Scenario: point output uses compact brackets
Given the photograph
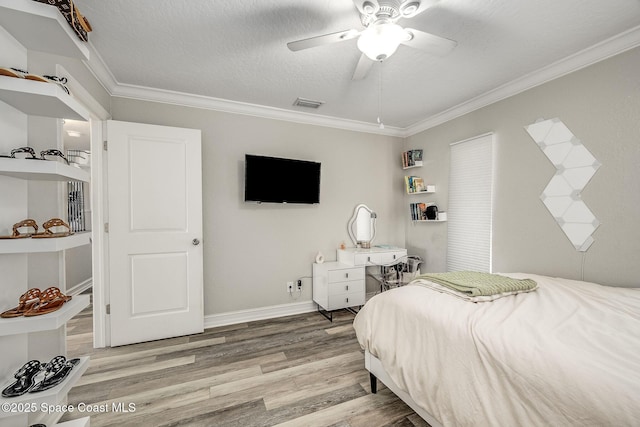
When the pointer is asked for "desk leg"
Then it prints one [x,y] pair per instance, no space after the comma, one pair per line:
[327,314]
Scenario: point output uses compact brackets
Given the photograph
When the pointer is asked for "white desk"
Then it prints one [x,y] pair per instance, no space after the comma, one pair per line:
[373,256]
[341,284]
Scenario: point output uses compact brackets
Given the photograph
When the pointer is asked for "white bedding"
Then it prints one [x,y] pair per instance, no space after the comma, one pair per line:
[566,354]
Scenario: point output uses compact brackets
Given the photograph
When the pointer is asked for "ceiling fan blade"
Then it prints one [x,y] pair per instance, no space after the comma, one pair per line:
[430,43]
[363,67]
[322,40]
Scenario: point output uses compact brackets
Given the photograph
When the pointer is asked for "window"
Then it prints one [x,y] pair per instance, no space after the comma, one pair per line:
[470,204]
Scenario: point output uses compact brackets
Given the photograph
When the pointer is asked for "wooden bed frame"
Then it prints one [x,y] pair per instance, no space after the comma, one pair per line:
[377,372]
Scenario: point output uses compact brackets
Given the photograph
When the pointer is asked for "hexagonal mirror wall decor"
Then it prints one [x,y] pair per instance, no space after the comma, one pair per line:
[575,166]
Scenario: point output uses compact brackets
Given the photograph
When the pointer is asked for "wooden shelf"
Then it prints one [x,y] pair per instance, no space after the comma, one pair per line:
[42,170]
[46,322]
[429,220]
[41,27]
[52,396]
[411,167]
[40,99]
[54,244]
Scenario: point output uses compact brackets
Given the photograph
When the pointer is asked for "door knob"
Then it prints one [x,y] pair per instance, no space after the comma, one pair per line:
[195,242]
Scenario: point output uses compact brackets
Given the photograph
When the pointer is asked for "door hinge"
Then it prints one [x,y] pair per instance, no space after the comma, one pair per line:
[106,227]
[104,145]
[108,307]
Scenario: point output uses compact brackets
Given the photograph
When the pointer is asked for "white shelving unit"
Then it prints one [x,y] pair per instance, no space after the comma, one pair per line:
[80,422]
[430,190]
[40,99]
[53,244]
[417,193]
[42,170]
[45,322]
[53,35]
[37,27]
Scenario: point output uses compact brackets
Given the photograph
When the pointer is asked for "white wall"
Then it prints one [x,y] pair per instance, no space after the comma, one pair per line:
[251,250]
[601,106]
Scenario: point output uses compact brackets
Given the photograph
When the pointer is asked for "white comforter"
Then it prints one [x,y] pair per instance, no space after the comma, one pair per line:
[566,354]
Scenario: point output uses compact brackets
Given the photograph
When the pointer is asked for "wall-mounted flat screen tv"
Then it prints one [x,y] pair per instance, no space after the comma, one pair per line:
[279,180]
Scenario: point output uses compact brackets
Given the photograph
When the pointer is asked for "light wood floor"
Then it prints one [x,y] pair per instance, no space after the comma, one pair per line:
[293,371]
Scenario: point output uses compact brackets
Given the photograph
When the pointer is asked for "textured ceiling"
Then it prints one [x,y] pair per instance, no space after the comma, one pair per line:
[237,50]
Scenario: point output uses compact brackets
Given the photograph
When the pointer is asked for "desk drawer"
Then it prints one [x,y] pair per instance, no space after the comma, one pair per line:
[345,275]
[368,258]
[345,300]
[391,257]
[356,286]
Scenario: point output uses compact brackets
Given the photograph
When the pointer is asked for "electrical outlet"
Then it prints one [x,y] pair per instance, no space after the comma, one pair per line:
[290,287]
[299,284]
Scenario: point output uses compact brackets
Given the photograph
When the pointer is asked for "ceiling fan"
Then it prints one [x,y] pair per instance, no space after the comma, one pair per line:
[382,35]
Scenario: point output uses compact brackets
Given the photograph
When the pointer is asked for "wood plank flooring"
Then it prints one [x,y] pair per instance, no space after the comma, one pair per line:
[292,371]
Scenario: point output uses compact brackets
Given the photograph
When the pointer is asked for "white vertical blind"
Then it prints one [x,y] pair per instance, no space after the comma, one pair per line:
[470,204]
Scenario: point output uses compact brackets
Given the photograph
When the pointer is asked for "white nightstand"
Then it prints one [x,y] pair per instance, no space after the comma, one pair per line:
[337,286]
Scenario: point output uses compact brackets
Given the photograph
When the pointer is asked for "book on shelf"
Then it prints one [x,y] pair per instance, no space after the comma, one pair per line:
[412,158]
[414,184]
[419,211]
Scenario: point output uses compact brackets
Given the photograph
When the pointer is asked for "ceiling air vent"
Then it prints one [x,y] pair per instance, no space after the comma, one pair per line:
[307,103]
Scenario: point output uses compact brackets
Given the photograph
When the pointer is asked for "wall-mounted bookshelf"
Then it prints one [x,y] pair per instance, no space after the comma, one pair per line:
[412,159]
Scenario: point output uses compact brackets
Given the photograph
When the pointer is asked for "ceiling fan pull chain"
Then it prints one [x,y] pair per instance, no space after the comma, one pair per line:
[380,96]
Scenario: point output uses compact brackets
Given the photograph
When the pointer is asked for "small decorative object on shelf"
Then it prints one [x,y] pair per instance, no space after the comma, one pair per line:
[412,158]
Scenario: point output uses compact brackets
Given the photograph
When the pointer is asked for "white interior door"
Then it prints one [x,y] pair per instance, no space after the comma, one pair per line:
[155,228]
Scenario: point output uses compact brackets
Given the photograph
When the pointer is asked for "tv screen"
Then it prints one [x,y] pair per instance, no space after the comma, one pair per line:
[278,180]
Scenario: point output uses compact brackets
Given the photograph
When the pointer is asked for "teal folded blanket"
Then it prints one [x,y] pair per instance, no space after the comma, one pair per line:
[474,283]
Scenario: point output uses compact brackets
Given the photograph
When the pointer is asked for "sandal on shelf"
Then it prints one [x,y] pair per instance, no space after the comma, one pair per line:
[22,224]
[24,379]
[50,300]
[54,222]
[60,81]
[55,372]
[26,150]
[53,152]
[26,301]
[13,72]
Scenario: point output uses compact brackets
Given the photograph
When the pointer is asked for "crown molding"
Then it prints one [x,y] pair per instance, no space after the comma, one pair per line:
[598,52]
[102,73]
[227,106]
[589,56]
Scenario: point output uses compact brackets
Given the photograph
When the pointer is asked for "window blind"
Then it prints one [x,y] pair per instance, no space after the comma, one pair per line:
[470,204]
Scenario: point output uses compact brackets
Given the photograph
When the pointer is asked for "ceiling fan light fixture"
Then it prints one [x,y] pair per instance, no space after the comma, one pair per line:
[381,39]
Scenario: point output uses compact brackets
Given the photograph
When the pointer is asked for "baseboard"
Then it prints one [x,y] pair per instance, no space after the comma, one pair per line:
[270,312]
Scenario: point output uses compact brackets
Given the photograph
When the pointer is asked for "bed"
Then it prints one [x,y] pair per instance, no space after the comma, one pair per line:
[567,353]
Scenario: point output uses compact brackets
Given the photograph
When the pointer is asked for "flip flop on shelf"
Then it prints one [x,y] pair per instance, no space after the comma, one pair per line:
[50,300]
[31,154]
[53,152]
[54,222]
[60,81]
[25,379]
[55,372]
[26,301]
[13,72]
[26,223]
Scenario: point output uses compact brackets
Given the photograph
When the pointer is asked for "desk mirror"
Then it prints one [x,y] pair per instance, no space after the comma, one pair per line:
[362,226]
